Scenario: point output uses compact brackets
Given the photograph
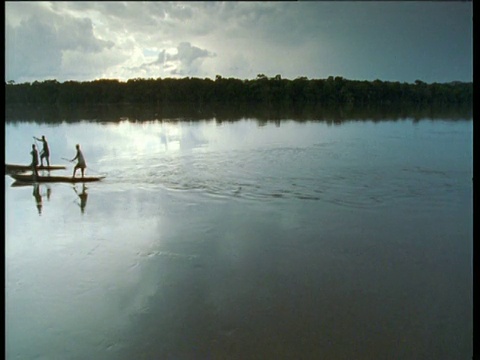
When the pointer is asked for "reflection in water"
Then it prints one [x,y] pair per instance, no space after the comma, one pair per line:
[227,113]
[38,197]
[83,197]
[245,242]
[37,194]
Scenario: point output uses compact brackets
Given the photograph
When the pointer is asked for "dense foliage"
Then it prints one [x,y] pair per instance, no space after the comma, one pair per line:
[231,91]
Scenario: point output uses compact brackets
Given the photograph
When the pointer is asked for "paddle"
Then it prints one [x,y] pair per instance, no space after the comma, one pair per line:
[90,169]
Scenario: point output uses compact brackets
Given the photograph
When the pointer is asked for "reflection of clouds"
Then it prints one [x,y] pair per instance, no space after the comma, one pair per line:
[128,140]
[137,140]
[82,277]
[103,283]
[175,263]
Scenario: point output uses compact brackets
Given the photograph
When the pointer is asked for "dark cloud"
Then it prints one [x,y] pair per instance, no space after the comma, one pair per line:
[187,61]
[35,48]
[32,50]
[79,35]
[189,58]
[431,41]
[187,54]
[159,63]
[160,59]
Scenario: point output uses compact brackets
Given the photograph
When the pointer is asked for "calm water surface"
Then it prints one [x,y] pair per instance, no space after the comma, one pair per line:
[240,241]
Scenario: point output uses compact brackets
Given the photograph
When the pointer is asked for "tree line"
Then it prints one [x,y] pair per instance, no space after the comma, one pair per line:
[232,91]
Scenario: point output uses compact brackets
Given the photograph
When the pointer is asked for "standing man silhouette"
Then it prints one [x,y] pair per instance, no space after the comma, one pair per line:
[34,163]
[45,153]
[81,164]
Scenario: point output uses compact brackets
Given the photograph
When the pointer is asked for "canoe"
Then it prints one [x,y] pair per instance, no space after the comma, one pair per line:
[18,168]
[29,178]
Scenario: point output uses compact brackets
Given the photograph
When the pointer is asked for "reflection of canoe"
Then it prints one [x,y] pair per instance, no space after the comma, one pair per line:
[28,178]
[18,168]
[18,183]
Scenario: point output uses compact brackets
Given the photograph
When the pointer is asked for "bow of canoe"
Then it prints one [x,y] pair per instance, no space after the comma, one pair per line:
[10,168]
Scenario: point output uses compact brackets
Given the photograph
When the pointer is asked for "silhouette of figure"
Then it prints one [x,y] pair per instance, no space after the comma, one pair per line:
[38,197]
[83,197]
[45,153]
[34,163]
[81,164]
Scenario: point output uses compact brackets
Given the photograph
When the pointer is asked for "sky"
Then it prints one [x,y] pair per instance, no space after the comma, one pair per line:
[400,41]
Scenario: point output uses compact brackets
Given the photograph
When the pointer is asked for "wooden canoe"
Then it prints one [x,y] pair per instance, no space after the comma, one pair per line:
[29,178]
[11,168]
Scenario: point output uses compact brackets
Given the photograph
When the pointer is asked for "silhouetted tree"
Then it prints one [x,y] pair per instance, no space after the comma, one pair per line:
[261,90]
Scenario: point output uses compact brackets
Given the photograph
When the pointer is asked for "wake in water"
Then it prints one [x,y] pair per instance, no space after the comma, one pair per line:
[307,174]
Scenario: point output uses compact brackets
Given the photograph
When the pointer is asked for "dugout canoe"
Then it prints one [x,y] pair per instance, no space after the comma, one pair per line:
[12,168]
[29,178]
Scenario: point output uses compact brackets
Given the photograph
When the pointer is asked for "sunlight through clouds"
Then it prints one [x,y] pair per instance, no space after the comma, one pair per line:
[62,40]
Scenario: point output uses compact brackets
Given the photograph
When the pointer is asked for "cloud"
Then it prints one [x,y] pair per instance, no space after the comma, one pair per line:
[160,59]
[79,35]
[153,68]
[183,60]
[26,55]
[189,58]
[363,40]
[36,46]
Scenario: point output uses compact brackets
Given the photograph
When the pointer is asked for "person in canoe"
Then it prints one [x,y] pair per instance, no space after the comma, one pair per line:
[45,153]
[81,164]
[34,163]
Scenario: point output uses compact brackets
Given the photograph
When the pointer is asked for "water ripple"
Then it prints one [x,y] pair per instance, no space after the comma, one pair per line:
[305,174]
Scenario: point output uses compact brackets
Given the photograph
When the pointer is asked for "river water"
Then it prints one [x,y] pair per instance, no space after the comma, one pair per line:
[243,240]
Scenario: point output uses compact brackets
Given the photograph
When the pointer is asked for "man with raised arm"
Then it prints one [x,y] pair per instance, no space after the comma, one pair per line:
[45,153]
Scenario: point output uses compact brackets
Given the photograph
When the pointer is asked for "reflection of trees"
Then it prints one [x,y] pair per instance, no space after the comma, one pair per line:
[225,98]
[227,113]
[264,91]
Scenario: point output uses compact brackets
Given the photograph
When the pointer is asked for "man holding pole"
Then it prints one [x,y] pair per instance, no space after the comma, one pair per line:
[81,164]
[45,153]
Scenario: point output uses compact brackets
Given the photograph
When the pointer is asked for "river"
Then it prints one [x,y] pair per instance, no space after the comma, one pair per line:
[243,240]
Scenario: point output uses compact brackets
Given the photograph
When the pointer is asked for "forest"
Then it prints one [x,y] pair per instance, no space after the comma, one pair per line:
[262,90]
